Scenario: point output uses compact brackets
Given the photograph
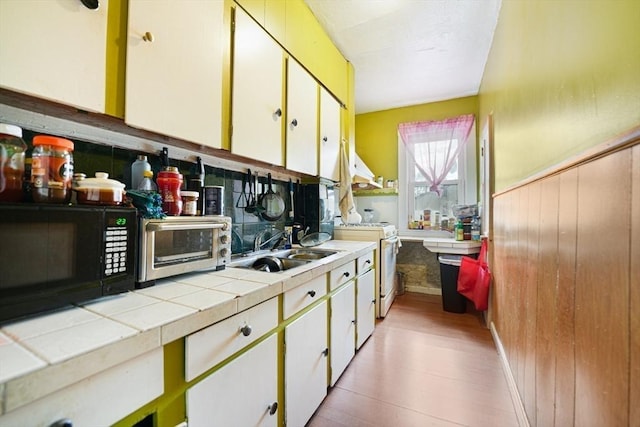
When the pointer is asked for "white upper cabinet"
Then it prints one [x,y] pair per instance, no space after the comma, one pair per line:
[302,120]
[257,88]
[55,50]
[329,136]
[174,69]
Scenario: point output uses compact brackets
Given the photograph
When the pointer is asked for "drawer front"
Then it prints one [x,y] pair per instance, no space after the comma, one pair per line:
[298,298]
[342,275]
[365,262]
[210,346]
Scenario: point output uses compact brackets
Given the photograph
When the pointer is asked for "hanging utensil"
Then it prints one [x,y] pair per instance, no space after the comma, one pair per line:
[243,198]
[251,205]
[272,203]
[291,212]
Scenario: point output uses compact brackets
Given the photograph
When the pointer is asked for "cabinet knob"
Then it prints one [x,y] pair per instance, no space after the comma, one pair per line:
[325,352]
[277,113]
[346,274]
[368,261]
[246,330]
[148,37]
[91,4]
[312,293]
[64,422]
[354,321]
[373,301]
[294,122]
[325,139]
[273,408]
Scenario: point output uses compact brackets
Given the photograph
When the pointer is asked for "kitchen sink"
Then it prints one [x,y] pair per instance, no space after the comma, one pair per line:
[275,261]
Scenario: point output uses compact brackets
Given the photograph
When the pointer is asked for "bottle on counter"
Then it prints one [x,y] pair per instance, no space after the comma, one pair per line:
[51,169]
[458,230]
[475,229]
[137,170]
[12,149]
[169,183]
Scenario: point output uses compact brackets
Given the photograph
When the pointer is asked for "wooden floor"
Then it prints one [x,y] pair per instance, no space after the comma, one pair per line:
[422,367]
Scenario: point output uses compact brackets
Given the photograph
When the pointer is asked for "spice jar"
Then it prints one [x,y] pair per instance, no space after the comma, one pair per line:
[12,149]
[51,169]
[169,182]
[189,202]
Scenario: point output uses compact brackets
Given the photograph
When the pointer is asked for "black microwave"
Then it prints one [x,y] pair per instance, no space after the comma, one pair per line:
[54,255]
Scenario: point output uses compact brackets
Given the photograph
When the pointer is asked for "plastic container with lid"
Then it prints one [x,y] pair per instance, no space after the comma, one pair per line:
[12,149]
[169,183]
[99,190]
[189,202]
[51,169]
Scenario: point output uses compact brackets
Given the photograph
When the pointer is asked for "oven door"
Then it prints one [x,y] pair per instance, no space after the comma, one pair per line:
[179,245]
[388,253]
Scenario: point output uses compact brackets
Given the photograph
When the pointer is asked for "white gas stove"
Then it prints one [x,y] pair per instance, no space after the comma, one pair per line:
[386,236]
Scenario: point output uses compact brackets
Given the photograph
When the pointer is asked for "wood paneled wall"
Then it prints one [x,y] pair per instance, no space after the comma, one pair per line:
[565,300]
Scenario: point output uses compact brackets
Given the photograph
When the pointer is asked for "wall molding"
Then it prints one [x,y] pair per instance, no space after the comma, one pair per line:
[518,406]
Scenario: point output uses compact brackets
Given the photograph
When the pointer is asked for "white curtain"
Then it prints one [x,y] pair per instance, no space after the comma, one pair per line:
[435,145]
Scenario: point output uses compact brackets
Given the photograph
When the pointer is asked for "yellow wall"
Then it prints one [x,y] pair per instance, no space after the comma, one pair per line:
[562,77]
[376,134]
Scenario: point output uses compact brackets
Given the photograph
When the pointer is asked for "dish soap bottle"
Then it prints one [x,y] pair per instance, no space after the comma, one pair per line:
[147,185]
[137,171]
[459,231]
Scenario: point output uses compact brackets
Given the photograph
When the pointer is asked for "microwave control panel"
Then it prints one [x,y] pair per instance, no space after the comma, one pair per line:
[119,243]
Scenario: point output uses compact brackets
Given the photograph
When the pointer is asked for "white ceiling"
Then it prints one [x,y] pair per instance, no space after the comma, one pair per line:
[409,52]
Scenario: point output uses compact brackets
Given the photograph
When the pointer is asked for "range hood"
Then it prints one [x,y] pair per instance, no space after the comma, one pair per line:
[361,175]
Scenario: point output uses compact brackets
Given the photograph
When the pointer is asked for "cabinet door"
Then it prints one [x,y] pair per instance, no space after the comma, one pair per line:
[366,307]
[329,136]
[242,393]
[257,93]
[302,120]
[55,50]
[174,69]
[343,331]
[305,365]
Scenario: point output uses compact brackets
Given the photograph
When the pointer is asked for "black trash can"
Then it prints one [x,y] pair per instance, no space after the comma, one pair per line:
[452,301]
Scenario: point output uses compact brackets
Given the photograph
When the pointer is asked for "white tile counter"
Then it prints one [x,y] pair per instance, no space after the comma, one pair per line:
[45,353]
[451,246]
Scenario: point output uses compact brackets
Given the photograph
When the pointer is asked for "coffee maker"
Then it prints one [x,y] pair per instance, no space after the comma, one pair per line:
[315,208]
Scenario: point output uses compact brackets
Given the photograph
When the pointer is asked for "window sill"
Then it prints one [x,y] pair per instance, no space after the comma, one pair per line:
[360,192]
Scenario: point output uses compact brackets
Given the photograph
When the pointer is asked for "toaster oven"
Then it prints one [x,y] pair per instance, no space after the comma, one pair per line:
[182,244]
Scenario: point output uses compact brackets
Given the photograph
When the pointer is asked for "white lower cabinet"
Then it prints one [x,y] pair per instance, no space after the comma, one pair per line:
[365,307]
[305,365]
[243,393]
[99,400]
[343,330]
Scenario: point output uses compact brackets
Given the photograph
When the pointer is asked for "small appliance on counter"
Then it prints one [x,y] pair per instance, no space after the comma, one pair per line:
[54,255]
[182,244]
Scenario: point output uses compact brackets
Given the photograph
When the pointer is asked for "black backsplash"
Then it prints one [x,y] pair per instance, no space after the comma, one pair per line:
[90,158]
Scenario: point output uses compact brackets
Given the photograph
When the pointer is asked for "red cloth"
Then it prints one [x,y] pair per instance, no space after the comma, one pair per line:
[474,278]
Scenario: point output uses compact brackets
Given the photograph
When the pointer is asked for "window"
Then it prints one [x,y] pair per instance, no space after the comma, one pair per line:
[437,167]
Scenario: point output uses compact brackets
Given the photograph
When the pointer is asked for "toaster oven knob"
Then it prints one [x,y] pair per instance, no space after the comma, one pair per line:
[224,239]
[224,252]
[225,226]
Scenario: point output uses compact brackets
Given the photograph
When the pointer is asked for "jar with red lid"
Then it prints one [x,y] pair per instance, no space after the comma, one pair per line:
[12,149]
[51,169]
[169,182]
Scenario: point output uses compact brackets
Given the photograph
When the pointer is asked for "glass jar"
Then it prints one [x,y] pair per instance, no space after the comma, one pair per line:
[51,169]
[189,202]
[169,183]
[12,149]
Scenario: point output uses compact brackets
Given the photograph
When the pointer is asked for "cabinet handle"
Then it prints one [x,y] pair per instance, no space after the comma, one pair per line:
[373,301]
[273,408]
[368,261]
[312,293]
[93,5]
[346,274]
[148,37]
[64,422]
[277,113]
[294,122]
[325,139]
[325,352]
[246,330]
[354,321]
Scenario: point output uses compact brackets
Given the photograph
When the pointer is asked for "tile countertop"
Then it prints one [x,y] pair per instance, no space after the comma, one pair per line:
[44,353]
[451,246]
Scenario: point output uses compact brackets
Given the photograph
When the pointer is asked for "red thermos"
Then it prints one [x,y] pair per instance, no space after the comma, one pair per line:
[169,183]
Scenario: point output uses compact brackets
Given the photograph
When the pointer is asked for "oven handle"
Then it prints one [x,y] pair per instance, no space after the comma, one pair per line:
[391,241]
[163,226]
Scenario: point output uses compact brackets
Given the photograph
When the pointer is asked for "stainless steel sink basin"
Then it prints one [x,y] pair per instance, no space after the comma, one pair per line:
[269,263]
[309,254]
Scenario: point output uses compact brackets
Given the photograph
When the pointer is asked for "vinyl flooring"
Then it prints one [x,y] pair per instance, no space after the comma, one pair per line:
[422,367]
